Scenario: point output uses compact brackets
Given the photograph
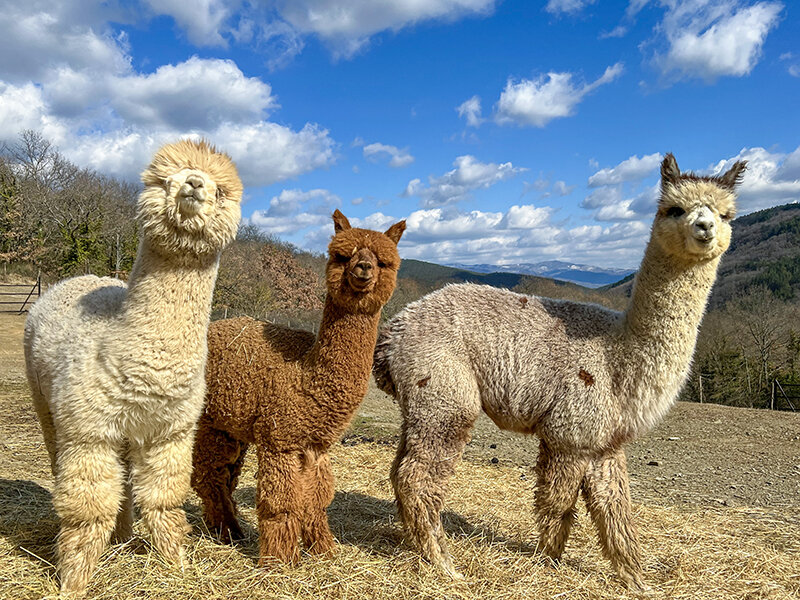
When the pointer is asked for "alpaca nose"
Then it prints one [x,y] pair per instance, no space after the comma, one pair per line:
[704,228]
[195,181]
[363,269]
[705,225]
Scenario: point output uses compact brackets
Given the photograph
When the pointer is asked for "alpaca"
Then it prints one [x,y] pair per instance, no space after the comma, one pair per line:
[116,371]
[583,378]
[292,395]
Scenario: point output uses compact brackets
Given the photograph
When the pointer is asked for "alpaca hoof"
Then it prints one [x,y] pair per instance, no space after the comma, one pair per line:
[636,585]
[270,562]
[321,548]
[451,572]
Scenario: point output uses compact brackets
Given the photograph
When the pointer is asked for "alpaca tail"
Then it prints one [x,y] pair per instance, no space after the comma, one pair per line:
[381,366]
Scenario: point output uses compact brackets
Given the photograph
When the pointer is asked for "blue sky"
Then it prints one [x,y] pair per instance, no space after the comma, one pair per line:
[504,131]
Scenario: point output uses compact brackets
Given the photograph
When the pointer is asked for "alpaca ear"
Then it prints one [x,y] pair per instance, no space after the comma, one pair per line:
[670,173]
[340,222]
[395,231]
[733,176]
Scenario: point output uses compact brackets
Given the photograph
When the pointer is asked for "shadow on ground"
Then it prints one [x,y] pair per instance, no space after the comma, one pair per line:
[372,524]
[28,521]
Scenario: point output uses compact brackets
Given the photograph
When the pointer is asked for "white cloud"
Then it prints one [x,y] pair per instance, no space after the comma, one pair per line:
[77,87]
[527,216]
[471,110]
[619,211]
[455,185]
[475,237]
[266,152]
[603,196]
[558,7]
[771,178]
[40,36]
[523,233]
[346,26]
[538,101]
[289,202]
[201,19]
[399,158]
[711,39]
[793,65]
[24,108]
[630,169]
[294,210]
[218,91]
[560,188]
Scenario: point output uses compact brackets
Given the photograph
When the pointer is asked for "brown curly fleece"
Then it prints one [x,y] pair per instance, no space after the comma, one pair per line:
[292,395]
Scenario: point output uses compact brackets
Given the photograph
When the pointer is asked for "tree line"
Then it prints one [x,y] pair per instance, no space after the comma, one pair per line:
[62,220]
[59,218]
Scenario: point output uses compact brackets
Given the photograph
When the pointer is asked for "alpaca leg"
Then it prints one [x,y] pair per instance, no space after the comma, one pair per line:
[161,473]
[87,495]
[279,505]
[316,532]
[607,495]
[46,421]
[123,531]
[218,460]
[559,477]
[438,417]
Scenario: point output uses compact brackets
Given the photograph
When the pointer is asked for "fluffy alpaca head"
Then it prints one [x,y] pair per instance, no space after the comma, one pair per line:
[190,204]
[694,213]
[362,265]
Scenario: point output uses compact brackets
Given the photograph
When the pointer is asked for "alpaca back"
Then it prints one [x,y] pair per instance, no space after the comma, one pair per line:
[249,362]
[69,319]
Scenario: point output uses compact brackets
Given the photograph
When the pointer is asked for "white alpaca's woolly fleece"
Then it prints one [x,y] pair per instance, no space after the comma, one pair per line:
[117,372]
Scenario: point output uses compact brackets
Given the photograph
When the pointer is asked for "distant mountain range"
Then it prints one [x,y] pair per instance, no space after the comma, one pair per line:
[585,275]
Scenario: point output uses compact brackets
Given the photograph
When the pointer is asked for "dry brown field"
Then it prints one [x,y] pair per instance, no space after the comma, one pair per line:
[716,493]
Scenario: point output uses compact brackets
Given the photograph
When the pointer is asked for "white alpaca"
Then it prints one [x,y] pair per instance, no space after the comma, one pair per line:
[583,378]
[117,372]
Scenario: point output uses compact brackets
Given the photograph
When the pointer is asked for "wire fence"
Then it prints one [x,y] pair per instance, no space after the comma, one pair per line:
[19,297]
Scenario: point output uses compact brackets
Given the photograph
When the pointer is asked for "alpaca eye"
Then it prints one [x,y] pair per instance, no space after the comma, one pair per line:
[675,211]
[727,216]
[382,265]
[341,258]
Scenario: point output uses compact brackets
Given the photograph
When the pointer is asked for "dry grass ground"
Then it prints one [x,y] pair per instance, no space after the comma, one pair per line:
[699,543]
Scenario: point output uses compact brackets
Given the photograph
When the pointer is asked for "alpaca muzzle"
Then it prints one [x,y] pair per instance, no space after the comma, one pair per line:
[361,283]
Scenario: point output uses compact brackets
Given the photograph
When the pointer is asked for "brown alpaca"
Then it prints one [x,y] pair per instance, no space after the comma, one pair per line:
[583,378]
[292,395]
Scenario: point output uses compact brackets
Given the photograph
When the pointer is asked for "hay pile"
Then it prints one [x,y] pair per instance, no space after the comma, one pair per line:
[708,554]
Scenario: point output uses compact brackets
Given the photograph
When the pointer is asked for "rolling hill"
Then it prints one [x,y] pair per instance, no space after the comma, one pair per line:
[585,275]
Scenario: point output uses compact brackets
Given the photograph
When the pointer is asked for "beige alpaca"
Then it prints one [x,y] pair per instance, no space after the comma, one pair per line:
[117,372]
[583,378]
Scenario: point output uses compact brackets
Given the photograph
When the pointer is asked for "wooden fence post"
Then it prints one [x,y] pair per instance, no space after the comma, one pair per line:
[700,379]
[772,401]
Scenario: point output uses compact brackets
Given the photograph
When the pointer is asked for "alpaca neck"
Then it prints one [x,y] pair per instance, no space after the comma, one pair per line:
[659,332]
[338,366]
[167,307]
